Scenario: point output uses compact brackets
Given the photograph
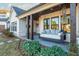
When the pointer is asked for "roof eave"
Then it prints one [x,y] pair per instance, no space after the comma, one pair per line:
[37,9]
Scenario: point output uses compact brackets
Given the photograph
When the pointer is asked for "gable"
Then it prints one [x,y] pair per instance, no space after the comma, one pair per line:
[18,10]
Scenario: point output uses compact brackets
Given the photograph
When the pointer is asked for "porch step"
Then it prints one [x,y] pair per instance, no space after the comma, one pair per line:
[51,44]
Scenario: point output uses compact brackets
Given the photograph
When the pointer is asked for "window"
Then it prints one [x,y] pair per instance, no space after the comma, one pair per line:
[46,23]
[55,23]
[14,26]
[66,24]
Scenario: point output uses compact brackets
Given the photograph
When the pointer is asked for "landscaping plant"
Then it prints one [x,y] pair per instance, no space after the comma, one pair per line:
[33,48]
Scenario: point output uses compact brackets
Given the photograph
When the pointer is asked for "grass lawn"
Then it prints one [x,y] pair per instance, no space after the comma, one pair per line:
[9,49]
[3,38]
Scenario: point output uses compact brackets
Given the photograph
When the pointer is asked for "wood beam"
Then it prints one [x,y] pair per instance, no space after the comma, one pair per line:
[31,20]
[28,27]
[73,47]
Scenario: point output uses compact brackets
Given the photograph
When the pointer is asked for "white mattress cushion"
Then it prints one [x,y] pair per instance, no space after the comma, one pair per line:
[51,36]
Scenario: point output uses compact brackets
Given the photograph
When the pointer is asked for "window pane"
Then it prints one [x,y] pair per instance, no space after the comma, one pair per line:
[46,23]
[55,23]
[14,26]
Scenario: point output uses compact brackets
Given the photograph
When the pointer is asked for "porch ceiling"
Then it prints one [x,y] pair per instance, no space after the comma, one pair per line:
[38,9]
[50,10]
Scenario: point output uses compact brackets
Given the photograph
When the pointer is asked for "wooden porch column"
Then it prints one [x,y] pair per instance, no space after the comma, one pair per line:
[28,20]
[31,20]
[73,47]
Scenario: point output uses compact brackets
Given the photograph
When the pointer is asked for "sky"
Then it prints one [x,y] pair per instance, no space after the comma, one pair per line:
[24,6]
[4,5]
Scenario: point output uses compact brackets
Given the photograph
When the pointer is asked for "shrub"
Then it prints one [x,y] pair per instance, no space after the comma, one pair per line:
[8,33]
[33,48]
[58,51]
[54,51]
[46,52]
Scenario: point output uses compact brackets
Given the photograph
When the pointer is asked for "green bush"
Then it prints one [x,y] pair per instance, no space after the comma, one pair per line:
[33,48]
[8,33]
[54,51]
[46,52]
[58,51]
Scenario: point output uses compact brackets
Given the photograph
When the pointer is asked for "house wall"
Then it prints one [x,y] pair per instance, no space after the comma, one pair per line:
[21,25]
[36,27]
[14,19]
[22,28]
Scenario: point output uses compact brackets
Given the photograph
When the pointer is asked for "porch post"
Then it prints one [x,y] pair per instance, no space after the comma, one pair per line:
[73,47]
[31,20]
[28,27]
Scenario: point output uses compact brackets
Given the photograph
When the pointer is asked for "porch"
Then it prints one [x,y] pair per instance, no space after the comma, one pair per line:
[46,41]
[49,43]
